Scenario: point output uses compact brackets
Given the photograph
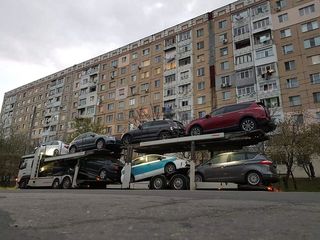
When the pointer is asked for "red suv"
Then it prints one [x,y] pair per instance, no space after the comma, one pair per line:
[246,116]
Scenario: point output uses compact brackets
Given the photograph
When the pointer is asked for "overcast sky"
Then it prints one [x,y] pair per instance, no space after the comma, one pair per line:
[40,37]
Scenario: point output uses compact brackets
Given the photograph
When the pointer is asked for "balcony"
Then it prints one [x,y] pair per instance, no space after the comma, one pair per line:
[242,51]
[242,37]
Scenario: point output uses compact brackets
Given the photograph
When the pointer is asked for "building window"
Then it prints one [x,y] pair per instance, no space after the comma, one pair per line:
[157,70]
[307,10]
[132,101]
[200,72]
[131,113]
[134,55]
[241,30]
[111,95]
[110,106]
[121,105]
[285,33]
[109,118]
[144,87]
[201,85]
[312,42]
[268,87]
[315,78]
[264,53]
[297,118]
[224,65]
[120,116]
[145,51]
[225,81]
[145,75]
[201,100]
[170,78]
[184,36]
[157,59]
[224,51]
[184,103]
[184,75]
[281,3]
[283,17]
[202,114]
[145,63]
[290,65]
[318,116]
[294,101]
[292,82]
[245,74]
[261,23]
[222,24]
[157,83]
[244,91]
[200,32]
[226,95]
[287,48]
[316,97]
[314,59]
[244,59]
[223,38]
[120,128]
[133,78]
[184,61]
[200,45]
[156,96]
[309,26]
[114,63]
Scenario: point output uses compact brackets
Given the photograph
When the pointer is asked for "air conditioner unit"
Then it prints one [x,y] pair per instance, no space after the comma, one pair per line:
[223,85]
[225,41]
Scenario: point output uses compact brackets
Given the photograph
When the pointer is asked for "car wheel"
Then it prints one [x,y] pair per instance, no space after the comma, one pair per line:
[253,178]
[158,182]
[66,183]
[196,130]
[103,174]
[198,178]
[72,149]
[164,135]
[56,152]
[170,168]
[248,124]
[126,139]
[179,182]
[100,144]
[55,184]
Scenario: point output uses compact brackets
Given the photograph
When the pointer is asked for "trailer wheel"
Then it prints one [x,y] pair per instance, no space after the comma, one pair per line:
[23,183]
[56,152]
[158,182]
[66,183]
[169,168]
[179,182]
[72,149]
[253,178]
[55,184]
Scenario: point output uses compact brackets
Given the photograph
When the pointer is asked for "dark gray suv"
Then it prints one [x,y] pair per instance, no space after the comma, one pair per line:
[238,167]
[153,130]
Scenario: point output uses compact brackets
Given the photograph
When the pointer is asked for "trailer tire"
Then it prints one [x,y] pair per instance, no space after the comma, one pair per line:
[56,152]
[66,183]
[170,168]
[55,184]
[72,149]
[158,182]
[23,183]
[179,182]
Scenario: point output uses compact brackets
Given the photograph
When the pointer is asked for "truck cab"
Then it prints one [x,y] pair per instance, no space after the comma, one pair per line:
[24,173]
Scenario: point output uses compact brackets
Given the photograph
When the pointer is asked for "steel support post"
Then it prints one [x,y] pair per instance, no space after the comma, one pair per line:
[192,166]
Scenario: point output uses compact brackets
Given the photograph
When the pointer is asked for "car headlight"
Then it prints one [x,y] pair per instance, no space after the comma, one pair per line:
[171,128]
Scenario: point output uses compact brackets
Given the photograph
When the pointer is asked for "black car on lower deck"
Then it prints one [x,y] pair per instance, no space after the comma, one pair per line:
[102,169]
[153,130]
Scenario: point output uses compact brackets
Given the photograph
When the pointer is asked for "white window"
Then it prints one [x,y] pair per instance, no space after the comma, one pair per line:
[264,53]
[134,55]
[290,65]
[241,30]
[285,33]
[244,58]
[307,10]
[315,78]
[145,51]
[287,49]
[244,91]
[200,45]
[225,81]
[309,26]
[224,65]
[294,101]
[132,101]
[314,59]
[201,85]
[292,83]
[312,42]
[222,24]
[224,51]
[261,23]
[200,71]
[283,17]
[200,32]
[201,100]
[226,95]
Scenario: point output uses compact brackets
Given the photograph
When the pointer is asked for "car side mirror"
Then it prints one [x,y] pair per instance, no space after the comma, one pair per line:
[207,116]
[140,127]
[92,135]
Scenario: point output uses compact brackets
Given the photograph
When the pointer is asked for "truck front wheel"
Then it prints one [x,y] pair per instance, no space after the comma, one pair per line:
[179,182]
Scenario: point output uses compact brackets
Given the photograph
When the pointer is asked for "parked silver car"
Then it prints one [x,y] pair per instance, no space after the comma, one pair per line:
[238,167]
[55,148]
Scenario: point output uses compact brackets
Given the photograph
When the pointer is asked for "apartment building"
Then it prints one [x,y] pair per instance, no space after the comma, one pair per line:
[249,50]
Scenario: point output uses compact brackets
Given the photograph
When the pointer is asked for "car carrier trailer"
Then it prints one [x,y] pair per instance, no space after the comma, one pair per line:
[211,142]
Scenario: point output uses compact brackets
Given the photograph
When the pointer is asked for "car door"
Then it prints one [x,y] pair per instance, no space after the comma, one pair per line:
[155,128]
[212,122]
[214,170]
[145,131]
[233,169]
[154,166]
[89,140]
[139,168]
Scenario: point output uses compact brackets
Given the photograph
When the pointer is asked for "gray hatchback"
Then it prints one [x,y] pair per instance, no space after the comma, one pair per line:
[238,167]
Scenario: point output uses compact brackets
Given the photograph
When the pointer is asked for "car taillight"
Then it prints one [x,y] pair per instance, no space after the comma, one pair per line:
[66,146]
[265,162]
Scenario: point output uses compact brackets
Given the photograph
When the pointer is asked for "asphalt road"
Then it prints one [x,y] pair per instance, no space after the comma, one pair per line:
[145,214]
